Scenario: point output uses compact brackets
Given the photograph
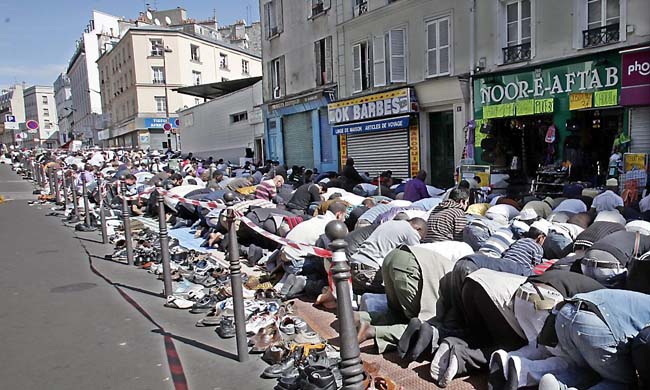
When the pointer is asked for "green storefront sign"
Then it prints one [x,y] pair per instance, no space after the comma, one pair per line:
[553,89]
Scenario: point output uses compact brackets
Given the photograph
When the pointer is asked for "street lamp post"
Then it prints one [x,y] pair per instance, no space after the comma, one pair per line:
[166,50]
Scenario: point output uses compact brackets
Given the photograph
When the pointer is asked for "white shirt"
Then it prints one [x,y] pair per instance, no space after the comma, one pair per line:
[639,226]
[574,206]
[607,201]
[452,250]
[307,232]
[610,216]
[644,204]
[502,213]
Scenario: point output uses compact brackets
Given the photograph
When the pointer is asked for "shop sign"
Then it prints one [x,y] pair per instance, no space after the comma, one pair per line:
[396,102]
[519,108]
[159,123]
[414,146]
[549,82]
[144,138]
[580,100]
[635,83]
[632,161]
[343,147]
[606,98]
[469,171]
[370,126]
[295,101]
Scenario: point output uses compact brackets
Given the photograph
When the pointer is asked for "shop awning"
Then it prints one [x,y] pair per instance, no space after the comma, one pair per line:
[400,122]
[215,90]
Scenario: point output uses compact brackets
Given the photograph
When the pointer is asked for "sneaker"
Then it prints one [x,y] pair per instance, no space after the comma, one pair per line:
[258,322]
[550,382]
[450,371]
[498,370]
[226,328]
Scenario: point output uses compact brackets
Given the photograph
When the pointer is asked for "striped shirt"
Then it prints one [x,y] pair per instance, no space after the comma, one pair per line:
[595,232]
[446,222]
[266,190]
[525,252]
[498,242]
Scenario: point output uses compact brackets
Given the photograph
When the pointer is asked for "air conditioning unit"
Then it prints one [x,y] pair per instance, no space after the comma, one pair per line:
[277,93]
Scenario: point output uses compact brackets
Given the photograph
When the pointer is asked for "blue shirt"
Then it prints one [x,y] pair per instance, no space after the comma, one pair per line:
[624,312]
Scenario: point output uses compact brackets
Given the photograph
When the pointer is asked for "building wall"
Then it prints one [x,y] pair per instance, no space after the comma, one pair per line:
[208,129]
[11,102]
[63,100]
[35,109]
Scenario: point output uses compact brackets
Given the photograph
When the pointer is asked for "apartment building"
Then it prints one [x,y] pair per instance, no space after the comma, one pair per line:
[84,76]
[63,101]
[403,78]
[299,43]
[559,81]
[11,103]
[139,71]
[40,106]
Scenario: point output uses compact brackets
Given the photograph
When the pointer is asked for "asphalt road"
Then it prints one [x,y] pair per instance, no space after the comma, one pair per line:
[64,327]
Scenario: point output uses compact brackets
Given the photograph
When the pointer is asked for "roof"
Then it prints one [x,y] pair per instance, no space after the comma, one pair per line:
[215,90]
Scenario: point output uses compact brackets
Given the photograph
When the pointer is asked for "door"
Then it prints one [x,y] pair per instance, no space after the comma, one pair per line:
[441,131]
[298,140]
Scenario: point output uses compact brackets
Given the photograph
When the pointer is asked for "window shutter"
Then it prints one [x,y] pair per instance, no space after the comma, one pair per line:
[379,61]
[397,56]
[317,69]
[443,46]
[267,18]
[329,77]
[356,68]
[283,78]
[278,15]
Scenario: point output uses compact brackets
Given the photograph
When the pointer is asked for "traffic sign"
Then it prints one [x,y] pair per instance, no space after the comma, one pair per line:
[167,127]
[31,124]
[10,122]
[177,122]
[10,118]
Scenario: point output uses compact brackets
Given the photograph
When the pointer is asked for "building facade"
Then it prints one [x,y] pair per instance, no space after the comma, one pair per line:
[63,100]
[11,103]
[84,76]
[40,106]
[298,51]
[404,80]
[140,70]
[229,127]
[560,81]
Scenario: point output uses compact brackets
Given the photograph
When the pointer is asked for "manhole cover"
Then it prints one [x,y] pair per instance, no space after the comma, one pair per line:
[73,287]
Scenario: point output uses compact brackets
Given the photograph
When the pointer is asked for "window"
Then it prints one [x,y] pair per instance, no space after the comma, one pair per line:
[161,104]
[156,47]
[323,56]
[196,77]
[360,7]
[46,112]
[438,47]
[223,61]
[518,22]
[360,73]
[194,53]
[244,67]
[603,23]
[319,6]
[197,101]
[397,40]
[158,74]
[273,18]
[277,77]
[44,99]
[602,13]
[239,117]
[47,124]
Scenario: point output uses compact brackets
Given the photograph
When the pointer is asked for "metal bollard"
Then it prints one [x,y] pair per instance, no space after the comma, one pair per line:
[351,365]
[212,169]
[236,281]
[102,212]
[127,223]
[57,187]
[84,194]
[37,179]
[65,189]
[164,241]
[43,175]
[75,199]
[50,180]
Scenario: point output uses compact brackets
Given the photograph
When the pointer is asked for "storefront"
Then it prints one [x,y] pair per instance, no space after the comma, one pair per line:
[635,94]
[145,133]
[380,132]
[298,133]
[564,111]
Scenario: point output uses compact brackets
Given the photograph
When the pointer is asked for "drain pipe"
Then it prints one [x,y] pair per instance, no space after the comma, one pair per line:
[472,54]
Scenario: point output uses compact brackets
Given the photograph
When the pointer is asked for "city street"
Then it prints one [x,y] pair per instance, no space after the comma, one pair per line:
[65,327]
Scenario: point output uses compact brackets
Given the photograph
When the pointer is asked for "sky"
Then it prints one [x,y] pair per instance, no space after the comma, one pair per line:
[37,37]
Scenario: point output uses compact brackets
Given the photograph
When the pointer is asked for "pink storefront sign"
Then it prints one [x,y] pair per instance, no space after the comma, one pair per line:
[635,83]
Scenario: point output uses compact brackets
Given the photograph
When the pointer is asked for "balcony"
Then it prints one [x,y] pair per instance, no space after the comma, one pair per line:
[517,53]
[600,36]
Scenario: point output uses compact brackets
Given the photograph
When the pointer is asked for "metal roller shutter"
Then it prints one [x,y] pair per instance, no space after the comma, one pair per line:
[640,129]
[298,140]
[380,151]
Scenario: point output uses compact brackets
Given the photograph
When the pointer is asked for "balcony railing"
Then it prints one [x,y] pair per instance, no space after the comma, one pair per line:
[361,9]
[601,35]
[517,53]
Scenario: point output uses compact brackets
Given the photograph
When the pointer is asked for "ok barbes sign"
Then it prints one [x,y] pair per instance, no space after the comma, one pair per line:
[586,80]
[373,106]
